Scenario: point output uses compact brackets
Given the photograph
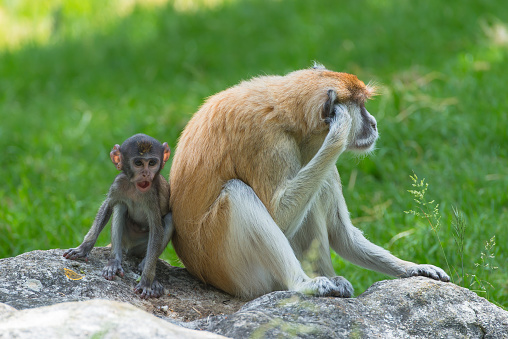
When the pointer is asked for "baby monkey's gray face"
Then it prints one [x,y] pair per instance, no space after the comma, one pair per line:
[141,158]
[144,171]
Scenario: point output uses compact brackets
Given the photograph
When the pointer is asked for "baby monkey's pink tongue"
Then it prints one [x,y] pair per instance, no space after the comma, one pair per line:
[143,184]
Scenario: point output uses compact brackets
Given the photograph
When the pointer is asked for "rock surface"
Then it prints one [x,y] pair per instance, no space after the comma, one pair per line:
[403,308]
[42,278]
[90,319]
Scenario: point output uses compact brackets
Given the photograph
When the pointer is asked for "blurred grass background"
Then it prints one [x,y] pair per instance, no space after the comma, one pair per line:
[76,77]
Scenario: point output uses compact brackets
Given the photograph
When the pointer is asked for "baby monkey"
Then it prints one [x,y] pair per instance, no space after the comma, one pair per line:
[139,201]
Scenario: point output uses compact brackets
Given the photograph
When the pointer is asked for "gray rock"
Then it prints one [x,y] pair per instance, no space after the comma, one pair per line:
[402,308]
[91,319]
[41,278]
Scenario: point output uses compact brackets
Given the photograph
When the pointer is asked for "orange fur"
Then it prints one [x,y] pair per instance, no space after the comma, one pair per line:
[255,186]
[252,132]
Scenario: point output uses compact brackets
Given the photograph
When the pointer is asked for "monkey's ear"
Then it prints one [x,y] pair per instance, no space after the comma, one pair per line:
[167,153]
[116,157]
[328,107]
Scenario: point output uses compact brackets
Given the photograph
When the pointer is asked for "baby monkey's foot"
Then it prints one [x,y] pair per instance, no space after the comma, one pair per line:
[114,267]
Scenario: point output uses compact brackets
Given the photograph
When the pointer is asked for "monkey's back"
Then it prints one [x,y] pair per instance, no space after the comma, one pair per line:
[206,154]
[224,140]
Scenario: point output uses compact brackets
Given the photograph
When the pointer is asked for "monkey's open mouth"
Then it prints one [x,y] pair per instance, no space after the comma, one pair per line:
[143,186]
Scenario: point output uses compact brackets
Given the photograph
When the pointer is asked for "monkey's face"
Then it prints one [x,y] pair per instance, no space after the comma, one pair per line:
[364,131]
[141,158]
[363,134]
[144,170]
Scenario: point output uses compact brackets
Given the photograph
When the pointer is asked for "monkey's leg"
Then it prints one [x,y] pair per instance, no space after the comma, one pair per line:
[312,247]
[259,256]
[149,287]
[168,234]
[101,219]
[114,266]
[349,242]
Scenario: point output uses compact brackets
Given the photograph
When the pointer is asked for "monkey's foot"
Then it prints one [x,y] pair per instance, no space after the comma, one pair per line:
[344,286]
[429,271]
[146,291]
[114,267]
[76,253]
[324,287]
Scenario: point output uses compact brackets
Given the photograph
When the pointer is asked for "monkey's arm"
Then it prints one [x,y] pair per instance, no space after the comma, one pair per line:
[101,219]
[292,201]
[351,244]
[118,225]
[169,229]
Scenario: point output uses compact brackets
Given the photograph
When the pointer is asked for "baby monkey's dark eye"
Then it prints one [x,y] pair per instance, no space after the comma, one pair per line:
[138,163]
[152,163]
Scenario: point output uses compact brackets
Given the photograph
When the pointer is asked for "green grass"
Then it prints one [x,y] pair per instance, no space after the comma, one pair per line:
[77,77]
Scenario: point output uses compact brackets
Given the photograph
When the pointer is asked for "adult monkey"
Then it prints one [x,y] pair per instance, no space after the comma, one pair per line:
[254,184]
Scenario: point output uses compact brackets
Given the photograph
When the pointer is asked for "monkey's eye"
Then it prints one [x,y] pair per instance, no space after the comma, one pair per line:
[138,163]
[152,163]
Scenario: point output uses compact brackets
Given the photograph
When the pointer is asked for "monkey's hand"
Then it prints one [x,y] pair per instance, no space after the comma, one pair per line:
[429,271]
[146,290]
[114,267]
[337,113]
[340,126]
[77,253]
